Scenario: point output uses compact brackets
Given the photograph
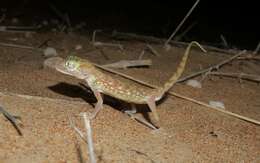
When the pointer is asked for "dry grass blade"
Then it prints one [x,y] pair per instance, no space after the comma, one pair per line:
[250,77]
[183,20]
[224,41]
[89,138]
[257,49]
[14,120]
[211,68]
[257,58]
[19,46]
[180,36]
[72,125]
[129,63]
[132,115]
[151,39]
[98,43]
[184,97]
[152,50]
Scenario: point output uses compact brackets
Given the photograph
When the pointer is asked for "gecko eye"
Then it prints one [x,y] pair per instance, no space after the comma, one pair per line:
[71,66]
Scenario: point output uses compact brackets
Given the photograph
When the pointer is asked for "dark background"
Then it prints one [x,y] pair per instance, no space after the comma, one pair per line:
[237,21]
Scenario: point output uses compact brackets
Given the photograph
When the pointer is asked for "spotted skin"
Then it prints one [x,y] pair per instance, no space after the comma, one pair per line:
[127,91]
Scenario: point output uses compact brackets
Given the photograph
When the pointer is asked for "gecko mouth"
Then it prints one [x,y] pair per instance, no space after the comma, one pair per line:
[57,63]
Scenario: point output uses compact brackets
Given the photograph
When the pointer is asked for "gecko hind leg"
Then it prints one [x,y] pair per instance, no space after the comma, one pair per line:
[132,110]
[152,106]
[132,113]
[99,104]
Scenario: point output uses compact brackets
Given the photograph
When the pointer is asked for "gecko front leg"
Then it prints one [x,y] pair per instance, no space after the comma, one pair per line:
[152,105]
[99,104]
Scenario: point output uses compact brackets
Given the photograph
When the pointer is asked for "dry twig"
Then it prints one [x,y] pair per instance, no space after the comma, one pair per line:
[89,138]
[184,97]
[256,49]
[180,36]
[129,63]
[152,50]
[64,17]
[80,133]
[141,54]
[183,20]
[151,39]
[250,57]
[224,41]
[98,43]
[13,119]
[211,68]
[2,18]
[28,97]
[250,77]
[20,46]
[94,35]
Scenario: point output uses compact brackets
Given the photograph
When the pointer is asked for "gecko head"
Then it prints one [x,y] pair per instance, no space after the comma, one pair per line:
[71,66]
[72,63]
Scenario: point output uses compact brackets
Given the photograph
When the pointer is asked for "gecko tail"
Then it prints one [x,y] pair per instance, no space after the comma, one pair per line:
[180,69]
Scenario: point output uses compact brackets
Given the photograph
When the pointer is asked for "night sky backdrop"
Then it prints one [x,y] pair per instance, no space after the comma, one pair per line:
[237,21]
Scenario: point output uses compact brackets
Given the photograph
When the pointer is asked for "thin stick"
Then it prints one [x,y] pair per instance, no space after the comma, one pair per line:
[215,67]
[25,28]
[250,58]
[180,36]
[217,109]
[250,77]
[183,97]
[257,49]
[9,116]
[224,41]
[121,35]
[72,125]
[64,17]
[183,20]
[13,119]
[19,46]
[152,50]
[141,54]
[133,116]
[29,97]
[94,35]
[3,29]
[98,43]
[89,138]
[2,18]
[129,63]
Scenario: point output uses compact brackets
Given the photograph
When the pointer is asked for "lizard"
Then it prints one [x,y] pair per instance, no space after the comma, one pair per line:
[102,83]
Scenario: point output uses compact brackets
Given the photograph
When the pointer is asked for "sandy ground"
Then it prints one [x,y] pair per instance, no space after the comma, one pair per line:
[188,132]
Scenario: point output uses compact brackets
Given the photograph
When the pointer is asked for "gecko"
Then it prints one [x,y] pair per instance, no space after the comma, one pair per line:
[102,83]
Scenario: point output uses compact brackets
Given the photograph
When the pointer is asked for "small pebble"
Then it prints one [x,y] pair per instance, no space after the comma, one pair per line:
[78,47]
[194,83]
[50,52]
[167,47]
[217,104]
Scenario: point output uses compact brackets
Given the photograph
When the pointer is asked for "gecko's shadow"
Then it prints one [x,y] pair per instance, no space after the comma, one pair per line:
[83,92]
